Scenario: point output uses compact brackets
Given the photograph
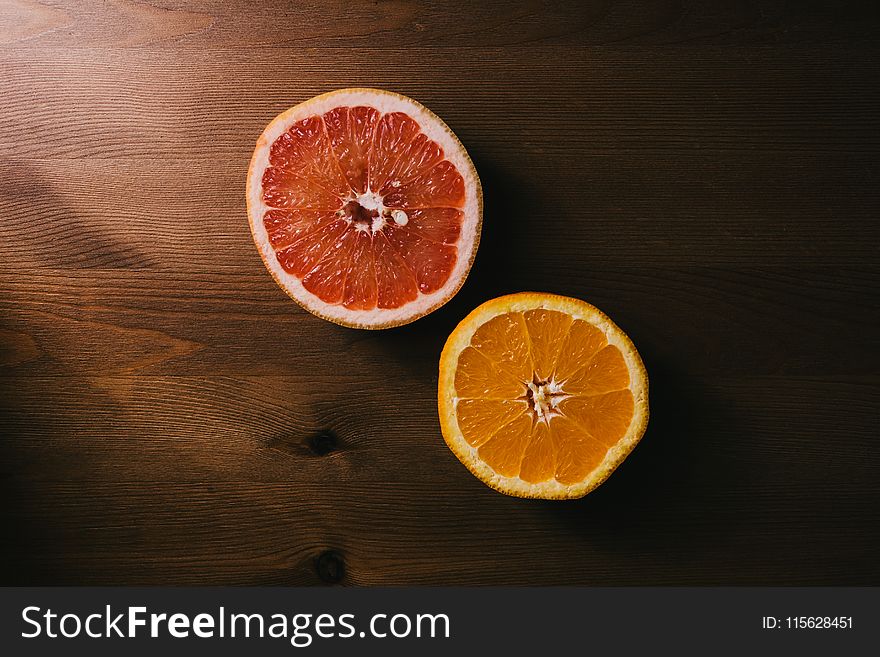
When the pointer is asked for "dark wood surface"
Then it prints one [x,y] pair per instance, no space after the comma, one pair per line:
[705,172]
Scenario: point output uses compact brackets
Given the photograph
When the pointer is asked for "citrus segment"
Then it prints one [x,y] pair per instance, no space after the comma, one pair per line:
[287,189]
[503,340]
[304,254]
[581,343]
[361,292]
[408,157]
[480,419]
[539,460]
[430,262]
[442,225]
[478,377]
[286,227]
[365,207]
[578,453]
[605,372]
[603,417]
[395,283]
[541,395]
[504,450]
[351,130]
[547,330]
[327,278]
[440,186]
[305,150]
[394,133]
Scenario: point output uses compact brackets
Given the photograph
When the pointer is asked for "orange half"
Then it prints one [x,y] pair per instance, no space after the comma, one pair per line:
[541,395]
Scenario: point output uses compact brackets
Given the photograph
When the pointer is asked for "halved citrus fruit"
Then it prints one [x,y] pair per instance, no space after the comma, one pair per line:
[541,395]
[365,207]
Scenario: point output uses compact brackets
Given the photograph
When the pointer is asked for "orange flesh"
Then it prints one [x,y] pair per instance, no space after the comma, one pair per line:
[542,396]
[326,175]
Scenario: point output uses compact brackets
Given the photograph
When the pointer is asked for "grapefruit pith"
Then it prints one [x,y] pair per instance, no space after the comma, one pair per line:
[365,207]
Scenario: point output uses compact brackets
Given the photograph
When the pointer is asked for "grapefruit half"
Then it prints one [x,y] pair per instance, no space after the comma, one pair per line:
[365,207]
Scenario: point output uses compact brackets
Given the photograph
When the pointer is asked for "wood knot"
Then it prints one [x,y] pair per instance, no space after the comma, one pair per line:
[323,442]
[330,566]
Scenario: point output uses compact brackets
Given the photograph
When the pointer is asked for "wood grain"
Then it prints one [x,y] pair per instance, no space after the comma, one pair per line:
[727,321]
[707,173]
[158,103]
[623,210]
[237,24]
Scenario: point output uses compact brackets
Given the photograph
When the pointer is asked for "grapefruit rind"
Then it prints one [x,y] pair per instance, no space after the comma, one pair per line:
[521,302]
[434,128]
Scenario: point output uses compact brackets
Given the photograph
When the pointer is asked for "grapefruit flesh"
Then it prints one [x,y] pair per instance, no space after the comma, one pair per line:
[365,207]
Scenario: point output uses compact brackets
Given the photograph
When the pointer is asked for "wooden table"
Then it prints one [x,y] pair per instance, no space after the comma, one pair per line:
[705,172]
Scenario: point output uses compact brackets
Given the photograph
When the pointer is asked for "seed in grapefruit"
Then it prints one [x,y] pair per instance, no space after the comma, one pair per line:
[365,207]
[541,395]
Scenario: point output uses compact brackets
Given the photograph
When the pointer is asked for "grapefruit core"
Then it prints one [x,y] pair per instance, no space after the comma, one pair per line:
[365,207]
